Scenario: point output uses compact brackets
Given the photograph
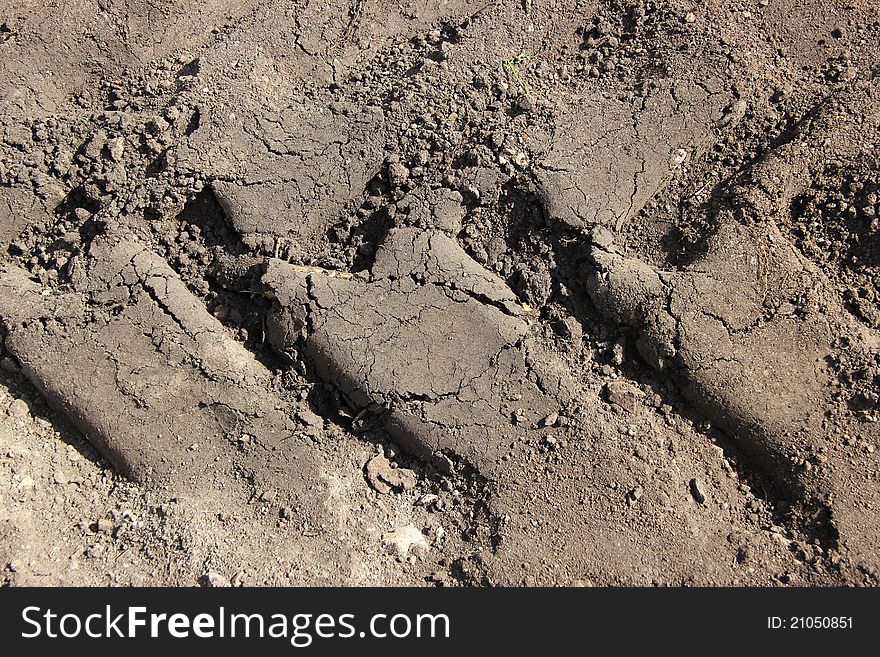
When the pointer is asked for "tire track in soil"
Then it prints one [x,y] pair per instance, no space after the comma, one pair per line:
[611,492]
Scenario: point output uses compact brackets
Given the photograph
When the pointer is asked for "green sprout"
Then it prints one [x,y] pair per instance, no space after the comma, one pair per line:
[512,65]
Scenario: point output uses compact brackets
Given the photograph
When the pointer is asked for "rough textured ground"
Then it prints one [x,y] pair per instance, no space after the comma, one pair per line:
[474,292]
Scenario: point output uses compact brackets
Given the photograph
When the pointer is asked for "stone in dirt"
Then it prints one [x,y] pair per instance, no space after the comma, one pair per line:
[18,408]
[386,479]
[697,490]
[623,394]
[310,419]
[104,525]
[215,580]
[405,539]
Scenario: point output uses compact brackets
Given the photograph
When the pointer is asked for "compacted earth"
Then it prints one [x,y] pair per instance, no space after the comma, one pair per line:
[444,293]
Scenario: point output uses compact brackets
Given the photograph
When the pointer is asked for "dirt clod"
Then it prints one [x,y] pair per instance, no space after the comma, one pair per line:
[385,478]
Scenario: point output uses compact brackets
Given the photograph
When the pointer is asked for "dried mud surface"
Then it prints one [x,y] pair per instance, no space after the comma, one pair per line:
[460,293]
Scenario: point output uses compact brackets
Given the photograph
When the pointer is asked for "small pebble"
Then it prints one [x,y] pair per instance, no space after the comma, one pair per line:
[18,408]
[602,237]
[311,419]
[215,580]
[550,420]
[697,491]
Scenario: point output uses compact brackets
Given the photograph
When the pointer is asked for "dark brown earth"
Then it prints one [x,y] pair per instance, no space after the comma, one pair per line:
[451,293]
